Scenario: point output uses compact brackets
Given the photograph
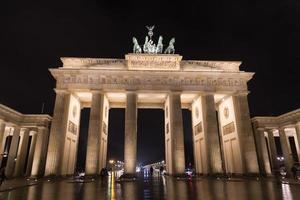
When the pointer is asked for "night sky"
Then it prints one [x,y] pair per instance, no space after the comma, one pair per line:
[265,35]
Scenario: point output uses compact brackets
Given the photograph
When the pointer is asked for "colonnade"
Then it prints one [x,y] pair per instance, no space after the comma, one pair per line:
[269,159]
[23,149]
[216,149]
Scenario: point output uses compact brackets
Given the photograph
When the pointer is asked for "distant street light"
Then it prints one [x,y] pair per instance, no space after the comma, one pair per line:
[111,161]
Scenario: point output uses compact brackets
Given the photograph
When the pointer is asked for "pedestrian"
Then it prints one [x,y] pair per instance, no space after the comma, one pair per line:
[2,175]
[161,170]
[294,170]
[151,171]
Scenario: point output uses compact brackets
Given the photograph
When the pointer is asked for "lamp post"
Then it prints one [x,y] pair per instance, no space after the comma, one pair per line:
[112,162]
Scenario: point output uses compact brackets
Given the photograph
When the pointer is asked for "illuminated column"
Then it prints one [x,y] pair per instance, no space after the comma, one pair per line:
[31,154]
[21,159]
[288,160]
[245,134]
[210,128]
[262,151]
[57,133]
[176,154]
[2,132]
[10,166]
[94,133]
[273,151]
[130,145]
[39,152]
[297,127]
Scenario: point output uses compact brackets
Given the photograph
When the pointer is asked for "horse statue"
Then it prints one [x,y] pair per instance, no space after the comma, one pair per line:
[159,47]
[136,46]
[170,49]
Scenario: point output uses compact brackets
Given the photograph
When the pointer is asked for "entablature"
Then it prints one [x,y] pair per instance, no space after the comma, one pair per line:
[285,120]
[151,80]
[150,62]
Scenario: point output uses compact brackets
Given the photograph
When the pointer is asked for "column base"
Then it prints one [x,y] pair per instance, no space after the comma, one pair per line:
[183,175]
[129,176]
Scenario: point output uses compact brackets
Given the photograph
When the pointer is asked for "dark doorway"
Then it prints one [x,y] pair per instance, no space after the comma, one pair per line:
[293,149]
[188,137]
[82,142]
[278,146]
[27,154]
[116,127]
[150,136]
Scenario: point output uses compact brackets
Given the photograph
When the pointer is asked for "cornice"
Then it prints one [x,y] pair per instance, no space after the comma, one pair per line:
[283,120]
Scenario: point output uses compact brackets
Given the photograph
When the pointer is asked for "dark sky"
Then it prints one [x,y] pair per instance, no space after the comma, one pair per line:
[265,35]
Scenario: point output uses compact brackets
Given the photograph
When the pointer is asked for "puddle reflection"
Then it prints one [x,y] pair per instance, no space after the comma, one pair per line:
[155,188]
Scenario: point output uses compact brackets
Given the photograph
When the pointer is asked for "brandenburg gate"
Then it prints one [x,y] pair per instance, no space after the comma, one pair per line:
[214,91]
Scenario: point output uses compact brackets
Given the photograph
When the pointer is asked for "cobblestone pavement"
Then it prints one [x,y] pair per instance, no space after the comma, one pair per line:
[149,188]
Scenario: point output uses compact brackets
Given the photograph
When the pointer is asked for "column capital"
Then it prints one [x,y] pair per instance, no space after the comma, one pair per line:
[207,93]
[130,91]
[41,128]
[16,126]
[61,91]
[281,129]
[241,93]
[96,91]
[26,128]
[174,92]
[261,129]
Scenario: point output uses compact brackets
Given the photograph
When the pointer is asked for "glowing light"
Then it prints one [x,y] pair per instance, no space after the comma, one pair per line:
[111,161]
[138,169]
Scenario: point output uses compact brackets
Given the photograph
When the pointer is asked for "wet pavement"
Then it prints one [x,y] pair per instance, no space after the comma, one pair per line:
[155,188]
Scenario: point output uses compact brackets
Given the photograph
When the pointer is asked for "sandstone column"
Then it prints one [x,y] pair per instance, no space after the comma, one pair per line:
[273,151]
[57,133]
[288,160]
[39,151]
[94,133]
[210,126]
[10,166]
[130,146]
[176,131]
[2,132]
[297,127]
[262,151]
[21,160]
[245,134]
[31,154]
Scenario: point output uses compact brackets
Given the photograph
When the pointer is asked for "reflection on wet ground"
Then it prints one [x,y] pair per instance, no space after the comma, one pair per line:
[156,188]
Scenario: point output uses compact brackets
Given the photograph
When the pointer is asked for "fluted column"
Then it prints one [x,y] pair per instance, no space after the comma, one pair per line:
[262,151]
[94,133]
[39,152]
[21,159]
[57,133]
[130,146]
[211,135]
[273,151]
[10,166]
[245,134]
[288,160]
[297,127]
[176,131]
[2,132]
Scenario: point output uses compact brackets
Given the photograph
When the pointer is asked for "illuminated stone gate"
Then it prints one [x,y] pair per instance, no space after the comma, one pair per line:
[214,91]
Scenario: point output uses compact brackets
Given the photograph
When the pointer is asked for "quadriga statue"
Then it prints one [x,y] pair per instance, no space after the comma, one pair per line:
[170,49]
[136,46]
